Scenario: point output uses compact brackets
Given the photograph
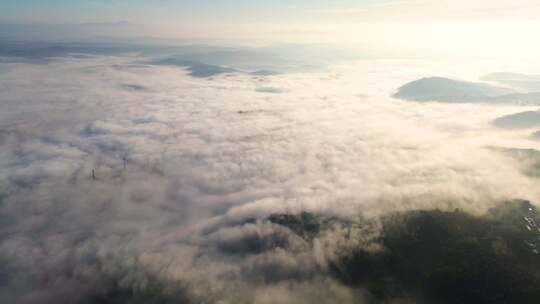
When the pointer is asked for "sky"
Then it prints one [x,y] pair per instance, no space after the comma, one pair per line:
[458,27]
[64,11]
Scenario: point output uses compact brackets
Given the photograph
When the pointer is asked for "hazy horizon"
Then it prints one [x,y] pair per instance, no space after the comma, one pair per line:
[446,28]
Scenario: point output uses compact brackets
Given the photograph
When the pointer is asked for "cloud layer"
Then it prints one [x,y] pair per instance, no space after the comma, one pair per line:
[188,170]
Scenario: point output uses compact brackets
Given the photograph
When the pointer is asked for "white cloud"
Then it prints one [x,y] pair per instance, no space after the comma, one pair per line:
[204,155]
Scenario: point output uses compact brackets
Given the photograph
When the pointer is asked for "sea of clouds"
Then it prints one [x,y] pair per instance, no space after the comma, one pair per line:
[186,170]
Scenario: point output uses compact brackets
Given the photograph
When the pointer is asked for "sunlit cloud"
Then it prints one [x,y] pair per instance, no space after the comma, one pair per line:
[269,152]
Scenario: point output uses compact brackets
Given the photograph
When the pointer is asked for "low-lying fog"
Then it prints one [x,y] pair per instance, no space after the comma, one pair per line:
[133,179]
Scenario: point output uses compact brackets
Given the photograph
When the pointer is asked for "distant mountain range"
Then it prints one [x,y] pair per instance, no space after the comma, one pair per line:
[515,80]
[442,89]
[200,60]
[527,119]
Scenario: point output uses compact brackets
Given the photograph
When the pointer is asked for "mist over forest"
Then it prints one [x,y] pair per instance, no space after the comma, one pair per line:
[177,163]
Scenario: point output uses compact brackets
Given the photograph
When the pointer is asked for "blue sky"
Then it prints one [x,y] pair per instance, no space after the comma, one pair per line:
[249,11]
[73,11]
[259,11]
